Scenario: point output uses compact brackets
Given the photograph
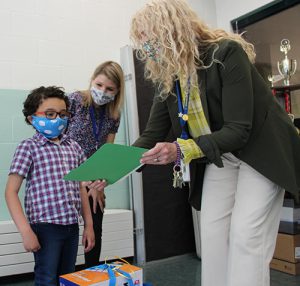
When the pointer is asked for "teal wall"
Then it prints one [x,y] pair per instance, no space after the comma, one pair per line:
[13,129]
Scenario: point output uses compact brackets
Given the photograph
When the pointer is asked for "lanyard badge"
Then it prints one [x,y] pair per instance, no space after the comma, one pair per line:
[181,170]
[96,129]
[183,108]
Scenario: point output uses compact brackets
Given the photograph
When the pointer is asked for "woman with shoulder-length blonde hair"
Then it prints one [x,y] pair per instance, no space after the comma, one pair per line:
[230,131]
[95,120]
[112,71]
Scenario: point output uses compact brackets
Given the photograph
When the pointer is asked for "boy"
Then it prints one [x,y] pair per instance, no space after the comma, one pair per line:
[53,206]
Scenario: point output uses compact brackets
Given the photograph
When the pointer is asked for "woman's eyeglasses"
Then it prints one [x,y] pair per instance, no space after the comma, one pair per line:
[50,114]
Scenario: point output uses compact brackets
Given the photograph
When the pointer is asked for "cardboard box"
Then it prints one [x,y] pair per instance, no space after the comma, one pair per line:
[99,277]
[287,247]
[285,266]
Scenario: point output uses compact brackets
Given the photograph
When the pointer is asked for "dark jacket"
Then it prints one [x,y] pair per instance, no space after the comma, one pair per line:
[244,118]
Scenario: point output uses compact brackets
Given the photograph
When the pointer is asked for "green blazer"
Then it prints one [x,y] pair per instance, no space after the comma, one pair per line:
[244,117]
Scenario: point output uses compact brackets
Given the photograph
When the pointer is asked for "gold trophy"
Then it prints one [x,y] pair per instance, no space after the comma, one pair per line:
[286,67]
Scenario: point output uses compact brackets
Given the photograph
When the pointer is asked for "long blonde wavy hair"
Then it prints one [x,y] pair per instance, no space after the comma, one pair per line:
[113,72]
[180,35]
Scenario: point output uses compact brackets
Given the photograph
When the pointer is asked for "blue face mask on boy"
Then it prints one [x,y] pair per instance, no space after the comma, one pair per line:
[50,128]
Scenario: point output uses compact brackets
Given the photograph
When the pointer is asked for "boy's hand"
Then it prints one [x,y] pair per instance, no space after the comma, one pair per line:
[88,238]
[30,241]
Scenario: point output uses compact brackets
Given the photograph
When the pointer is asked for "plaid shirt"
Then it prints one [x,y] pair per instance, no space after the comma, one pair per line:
[49,198]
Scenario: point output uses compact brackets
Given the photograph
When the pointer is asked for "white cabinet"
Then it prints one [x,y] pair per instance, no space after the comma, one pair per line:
[117,240]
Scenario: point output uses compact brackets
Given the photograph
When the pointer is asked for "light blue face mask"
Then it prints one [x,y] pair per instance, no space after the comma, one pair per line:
[50,128]
[152,49]
[100,97]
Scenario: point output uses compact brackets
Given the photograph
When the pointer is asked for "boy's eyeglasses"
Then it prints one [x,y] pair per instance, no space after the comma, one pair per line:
[53,114]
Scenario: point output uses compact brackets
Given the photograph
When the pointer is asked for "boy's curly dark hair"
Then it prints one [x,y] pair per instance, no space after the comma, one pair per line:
[38,95]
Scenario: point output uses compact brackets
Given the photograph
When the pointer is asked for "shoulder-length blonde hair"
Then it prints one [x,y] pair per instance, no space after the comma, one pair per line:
[113,72]
[180,35]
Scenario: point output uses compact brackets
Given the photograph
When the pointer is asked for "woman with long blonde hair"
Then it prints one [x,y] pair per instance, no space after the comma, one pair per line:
[178,41]
[230,132]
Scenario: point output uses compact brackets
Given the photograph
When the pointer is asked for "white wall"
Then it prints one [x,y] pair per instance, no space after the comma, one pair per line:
[60,42]
[46,42]
[227,10]
[206,11]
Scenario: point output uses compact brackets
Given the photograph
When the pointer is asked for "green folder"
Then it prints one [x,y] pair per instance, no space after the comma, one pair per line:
[111,162]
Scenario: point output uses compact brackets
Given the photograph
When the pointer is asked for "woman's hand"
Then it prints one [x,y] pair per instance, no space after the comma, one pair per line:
[163,153]
[98,197]
[97,185]
[96,192]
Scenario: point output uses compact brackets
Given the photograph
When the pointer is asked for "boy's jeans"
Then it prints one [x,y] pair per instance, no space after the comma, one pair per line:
[57,256]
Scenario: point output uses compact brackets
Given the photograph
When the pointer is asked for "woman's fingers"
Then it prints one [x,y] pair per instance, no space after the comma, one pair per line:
[163,153]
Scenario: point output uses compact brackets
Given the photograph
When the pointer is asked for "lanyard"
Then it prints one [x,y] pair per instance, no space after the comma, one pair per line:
[96,131]
[183,108]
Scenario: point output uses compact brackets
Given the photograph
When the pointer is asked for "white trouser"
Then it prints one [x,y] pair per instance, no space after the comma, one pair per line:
[240,216]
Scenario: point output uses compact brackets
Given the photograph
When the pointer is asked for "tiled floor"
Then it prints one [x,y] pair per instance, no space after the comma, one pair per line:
[181,270]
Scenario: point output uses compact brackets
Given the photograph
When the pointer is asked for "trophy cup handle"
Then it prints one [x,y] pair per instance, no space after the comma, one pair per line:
[279,69]
[295,65]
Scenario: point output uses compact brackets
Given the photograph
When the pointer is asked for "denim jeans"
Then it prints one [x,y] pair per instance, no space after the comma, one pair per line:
[57,256]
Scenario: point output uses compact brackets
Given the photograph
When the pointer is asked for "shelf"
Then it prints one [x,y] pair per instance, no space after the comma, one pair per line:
[286,87]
